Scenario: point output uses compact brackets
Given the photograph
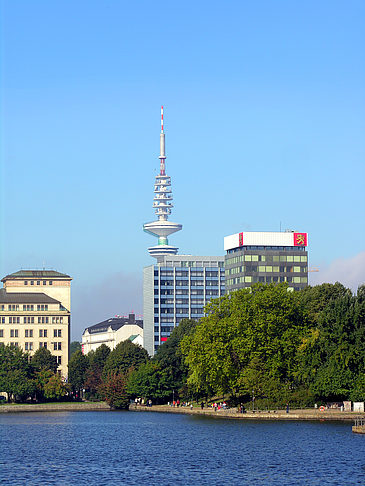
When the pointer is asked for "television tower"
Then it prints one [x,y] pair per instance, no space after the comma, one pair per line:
[162,203]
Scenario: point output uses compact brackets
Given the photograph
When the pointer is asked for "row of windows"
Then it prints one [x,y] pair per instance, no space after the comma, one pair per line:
[210,292]
[267,258]
[164,328]
[31,320]
[170,273]
[266,269]
[181,310]
[28,333]
[193,283]
[26,307]
[179,301]
[248,279]
[194,264]
[28,346]
[38,282]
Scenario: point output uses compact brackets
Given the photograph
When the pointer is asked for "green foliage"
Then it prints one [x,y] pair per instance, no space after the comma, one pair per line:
[74,346]
[43,359]
[126,355]
[16,378]
[333,355]
[113,390]
[97,359]
[170,358]
[243,330]
[77,368]
[150,381]
[54,388]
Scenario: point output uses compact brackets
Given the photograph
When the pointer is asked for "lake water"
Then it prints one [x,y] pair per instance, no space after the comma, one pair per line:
[147,448]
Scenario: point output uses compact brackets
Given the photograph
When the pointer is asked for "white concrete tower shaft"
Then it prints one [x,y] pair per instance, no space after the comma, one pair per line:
[162,204]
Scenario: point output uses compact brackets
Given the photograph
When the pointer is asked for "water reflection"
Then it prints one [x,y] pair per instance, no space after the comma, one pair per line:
[133,448]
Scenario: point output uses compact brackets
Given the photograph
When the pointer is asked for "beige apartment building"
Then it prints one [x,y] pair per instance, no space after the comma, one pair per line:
[35,312]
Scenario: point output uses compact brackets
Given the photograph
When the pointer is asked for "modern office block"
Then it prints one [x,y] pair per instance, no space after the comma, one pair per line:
[176,288]
[266,257]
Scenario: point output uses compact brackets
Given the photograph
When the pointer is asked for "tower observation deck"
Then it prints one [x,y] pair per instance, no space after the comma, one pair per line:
[162,202]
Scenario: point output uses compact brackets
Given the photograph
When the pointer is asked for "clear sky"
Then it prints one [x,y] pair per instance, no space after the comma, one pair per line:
[264,121]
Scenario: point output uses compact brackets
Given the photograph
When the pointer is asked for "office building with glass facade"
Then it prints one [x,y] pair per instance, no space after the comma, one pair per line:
[266,257]
[176,288]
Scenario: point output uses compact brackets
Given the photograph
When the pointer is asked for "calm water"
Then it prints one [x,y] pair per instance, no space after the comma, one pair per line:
[164,449]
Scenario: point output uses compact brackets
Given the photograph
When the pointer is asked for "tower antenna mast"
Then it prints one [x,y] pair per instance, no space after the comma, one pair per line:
[162,203]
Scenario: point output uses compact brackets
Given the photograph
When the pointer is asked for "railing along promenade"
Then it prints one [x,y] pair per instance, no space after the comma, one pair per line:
[359,426]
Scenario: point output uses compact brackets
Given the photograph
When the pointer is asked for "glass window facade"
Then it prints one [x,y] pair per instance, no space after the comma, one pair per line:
[181,289]
[247,265]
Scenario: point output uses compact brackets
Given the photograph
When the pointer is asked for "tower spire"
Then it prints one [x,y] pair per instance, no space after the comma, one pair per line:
[162,203]
[162,147]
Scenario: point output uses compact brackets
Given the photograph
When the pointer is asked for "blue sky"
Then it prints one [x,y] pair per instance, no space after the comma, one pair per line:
[264,121]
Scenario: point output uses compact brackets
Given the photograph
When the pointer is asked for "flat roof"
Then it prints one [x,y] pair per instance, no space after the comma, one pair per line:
[266,238]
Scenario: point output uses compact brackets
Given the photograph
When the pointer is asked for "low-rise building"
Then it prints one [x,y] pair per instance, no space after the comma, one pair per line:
[35,312]
[111,332]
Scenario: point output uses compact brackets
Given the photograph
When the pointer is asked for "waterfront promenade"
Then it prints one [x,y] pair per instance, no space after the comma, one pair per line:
[274,415]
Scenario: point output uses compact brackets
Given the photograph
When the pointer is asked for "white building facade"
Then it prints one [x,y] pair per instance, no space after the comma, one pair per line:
[111,332]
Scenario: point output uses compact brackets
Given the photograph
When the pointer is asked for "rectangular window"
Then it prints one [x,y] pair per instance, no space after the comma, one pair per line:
[296,269]
[32,282]
[303,259]
[296,279]
[289,258]
[248,258]
[297,258]
[275,269]
[25,282]
[269,269]
[14,332]
[3,320]
[275,258]
[283,258]
[255,258]
[50,282]
[261,268]
[44,282]
[38,282]
[303,280]
[59,360]
[1,333]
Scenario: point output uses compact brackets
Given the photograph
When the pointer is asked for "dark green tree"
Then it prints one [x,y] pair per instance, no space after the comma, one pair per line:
[333,357]
[77,368]
[55,389]
[74,346]
[150,381]
[169,357]
[125,356]
[263,324]
[16,373]
[43,359]
[113,390]
[93,379]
